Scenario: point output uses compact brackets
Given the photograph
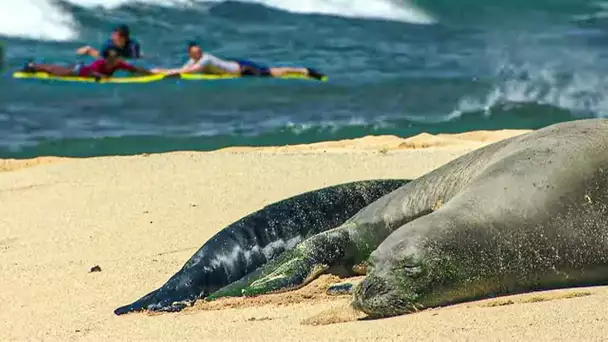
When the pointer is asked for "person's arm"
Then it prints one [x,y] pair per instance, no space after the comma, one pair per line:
[170,72]
[133,68]
[187,68]
[91,51]
[88,50]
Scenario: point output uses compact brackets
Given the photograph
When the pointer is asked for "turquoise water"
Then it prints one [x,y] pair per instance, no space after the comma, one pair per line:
[395,67]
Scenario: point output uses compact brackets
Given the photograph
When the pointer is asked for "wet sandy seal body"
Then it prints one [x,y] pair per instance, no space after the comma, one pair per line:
[258,238]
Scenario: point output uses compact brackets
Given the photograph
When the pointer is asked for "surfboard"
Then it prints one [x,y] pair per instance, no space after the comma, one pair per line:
[127,79]
[143,79]
[199,77]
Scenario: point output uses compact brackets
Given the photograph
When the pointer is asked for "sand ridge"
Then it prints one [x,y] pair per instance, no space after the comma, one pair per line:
[381,143]
[385,143]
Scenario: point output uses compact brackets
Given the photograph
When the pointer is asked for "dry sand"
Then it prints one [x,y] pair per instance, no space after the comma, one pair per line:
[140,218]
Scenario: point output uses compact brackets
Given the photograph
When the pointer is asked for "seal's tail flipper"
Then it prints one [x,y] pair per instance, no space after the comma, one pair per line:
[139,305]
[162,299]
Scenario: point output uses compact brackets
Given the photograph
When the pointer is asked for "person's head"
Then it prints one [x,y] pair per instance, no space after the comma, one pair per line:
[194,50]
[120,35]
[111,56]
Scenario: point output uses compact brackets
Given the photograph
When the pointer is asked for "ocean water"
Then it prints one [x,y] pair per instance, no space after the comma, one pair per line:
[395,67]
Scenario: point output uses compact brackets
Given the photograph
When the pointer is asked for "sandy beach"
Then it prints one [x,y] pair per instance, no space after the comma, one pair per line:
[140,218]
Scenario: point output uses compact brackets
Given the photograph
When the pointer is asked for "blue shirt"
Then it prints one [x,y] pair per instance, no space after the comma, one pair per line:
[131,50]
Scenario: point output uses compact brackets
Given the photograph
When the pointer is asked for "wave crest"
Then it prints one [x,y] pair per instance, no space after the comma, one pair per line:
[52,20]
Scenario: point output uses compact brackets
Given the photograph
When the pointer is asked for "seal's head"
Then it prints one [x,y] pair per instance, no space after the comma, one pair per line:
[411,271]
[394,284]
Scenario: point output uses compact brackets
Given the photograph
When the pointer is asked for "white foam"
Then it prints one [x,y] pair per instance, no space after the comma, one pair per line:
[116,3]
[37,19]
[372,9]
[566,79]
[45,19]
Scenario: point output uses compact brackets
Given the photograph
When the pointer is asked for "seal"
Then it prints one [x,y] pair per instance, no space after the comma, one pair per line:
[523,214]
[254,240]
[526,214]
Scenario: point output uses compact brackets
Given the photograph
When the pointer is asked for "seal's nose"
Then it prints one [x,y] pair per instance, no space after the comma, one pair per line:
[366,291]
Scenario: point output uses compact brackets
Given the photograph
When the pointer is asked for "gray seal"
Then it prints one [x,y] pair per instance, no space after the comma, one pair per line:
[245,245]
[529,213]
[523,214]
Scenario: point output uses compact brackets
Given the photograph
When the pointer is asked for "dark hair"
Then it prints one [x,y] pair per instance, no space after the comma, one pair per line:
[192,44]
[123,30]
[109,51]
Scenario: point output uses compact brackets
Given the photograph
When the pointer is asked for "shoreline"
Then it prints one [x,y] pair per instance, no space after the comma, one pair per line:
[369,143]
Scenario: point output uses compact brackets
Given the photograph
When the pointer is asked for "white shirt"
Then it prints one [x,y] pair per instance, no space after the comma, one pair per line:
[210,64]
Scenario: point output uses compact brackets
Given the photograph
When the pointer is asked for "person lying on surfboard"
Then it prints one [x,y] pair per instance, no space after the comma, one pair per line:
[203,62]
[101,68]
[121,40]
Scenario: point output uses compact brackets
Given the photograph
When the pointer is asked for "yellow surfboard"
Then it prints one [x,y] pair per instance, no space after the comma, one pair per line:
[140,79]
[129,79]
[199,77]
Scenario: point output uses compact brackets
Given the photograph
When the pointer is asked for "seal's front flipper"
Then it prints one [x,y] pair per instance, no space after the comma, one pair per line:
[236,288]
[304,263]
[298,271]
[289,271]
[294,268]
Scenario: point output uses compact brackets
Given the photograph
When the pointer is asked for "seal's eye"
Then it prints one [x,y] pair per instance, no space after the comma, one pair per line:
[412,270]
